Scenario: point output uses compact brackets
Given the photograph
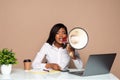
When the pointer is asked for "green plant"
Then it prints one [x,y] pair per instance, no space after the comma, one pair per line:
[7,57]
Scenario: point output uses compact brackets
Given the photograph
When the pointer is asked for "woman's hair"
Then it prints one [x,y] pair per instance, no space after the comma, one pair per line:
[54,31]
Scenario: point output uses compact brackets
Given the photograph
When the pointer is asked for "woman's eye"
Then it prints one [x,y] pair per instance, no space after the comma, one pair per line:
[57,33]
[64,32]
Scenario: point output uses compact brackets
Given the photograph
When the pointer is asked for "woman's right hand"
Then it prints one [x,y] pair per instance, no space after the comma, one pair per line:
[71,51]
[53,66]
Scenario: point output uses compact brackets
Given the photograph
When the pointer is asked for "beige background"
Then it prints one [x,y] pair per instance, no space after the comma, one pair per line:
[25,25]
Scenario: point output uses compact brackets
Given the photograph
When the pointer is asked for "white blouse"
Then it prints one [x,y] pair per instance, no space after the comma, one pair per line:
[54,55]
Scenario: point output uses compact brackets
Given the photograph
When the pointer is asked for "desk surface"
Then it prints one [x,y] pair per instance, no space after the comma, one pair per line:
[20,74]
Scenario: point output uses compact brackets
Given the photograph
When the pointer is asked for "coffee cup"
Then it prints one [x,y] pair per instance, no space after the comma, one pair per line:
[27,64]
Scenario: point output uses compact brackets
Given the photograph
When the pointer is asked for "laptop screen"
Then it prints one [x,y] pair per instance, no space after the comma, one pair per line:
[99,64]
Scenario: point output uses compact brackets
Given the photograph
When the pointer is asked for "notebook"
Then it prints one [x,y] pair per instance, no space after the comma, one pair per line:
[97,64]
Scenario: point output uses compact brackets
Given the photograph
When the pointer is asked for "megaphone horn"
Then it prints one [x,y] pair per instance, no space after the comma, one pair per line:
[78,38]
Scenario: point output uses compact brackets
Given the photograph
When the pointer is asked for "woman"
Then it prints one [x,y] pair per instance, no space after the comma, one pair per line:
[54,51]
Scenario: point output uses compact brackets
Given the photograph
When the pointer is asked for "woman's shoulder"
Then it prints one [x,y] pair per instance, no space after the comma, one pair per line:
[47,45]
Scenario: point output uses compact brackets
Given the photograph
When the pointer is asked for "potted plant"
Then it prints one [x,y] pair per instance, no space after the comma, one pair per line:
[7,59]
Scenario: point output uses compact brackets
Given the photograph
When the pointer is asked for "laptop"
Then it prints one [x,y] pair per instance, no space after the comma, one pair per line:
[97,64]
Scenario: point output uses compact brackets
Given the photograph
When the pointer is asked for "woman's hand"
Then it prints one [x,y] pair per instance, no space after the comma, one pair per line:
[53,66]
[71,51]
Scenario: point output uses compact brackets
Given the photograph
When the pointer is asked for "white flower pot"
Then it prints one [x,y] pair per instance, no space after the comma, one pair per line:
[6,69]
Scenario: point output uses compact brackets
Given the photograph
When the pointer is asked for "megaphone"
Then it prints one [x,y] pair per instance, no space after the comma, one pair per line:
[78,38]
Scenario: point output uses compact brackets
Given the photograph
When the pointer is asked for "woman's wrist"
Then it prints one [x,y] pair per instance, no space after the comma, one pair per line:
[72,55]
[53,66]
[48,65]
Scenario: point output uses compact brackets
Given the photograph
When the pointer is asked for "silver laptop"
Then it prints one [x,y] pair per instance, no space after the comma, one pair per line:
[97,64]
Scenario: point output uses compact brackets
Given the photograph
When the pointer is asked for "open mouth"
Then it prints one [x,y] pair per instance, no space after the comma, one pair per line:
[63,40]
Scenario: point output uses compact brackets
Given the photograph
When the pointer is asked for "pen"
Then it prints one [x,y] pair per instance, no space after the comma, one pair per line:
[45,70]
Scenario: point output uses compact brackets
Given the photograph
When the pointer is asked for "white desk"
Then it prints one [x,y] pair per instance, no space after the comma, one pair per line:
[20,74]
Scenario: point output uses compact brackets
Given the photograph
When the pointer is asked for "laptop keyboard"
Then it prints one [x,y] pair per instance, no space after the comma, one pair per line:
[76,71]
[79,73]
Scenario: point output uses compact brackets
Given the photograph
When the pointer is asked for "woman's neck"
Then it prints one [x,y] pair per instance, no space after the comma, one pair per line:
[57,45]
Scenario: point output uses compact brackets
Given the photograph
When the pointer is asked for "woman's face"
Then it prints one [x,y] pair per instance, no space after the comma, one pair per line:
[61,34]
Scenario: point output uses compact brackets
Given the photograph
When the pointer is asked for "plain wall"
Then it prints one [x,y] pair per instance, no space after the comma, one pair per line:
[25,25]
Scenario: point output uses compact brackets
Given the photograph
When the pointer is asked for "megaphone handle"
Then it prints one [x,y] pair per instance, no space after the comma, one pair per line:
[64,45]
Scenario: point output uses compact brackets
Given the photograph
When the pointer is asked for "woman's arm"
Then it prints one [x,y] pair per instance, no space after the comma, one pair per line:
[75,56]
[41,55]
[37,62]
[77,62]
[53,66]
